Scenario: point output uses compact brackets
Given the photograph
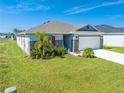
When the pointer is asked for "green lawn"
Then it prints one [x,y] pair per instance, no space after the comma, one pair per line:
[116,49]
[59,75]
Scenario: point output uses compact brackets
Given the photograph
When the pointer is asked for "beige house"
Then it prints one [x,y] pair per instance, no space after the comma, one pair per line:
[74,38]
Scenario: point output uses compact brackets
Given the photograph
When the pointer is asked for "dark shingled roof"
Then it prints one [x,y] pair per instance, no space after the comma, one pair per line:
[109,29]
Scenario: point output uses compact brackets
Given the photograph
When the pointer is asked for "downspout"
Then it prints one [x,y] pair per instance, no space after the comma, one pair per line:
[101,41]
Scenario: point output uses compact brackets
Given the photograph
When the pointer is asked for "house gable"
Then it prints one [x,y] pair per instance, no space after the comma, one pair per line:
[87,28]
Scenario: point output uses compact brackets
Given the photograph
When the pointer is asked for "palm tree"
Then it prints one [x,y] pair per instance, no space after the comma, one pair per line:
[43,40]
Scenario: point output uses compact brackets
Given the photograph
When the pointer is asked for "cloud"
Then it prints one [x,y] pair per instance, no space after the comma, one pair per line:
[80,9]
[117,16]
[25,6]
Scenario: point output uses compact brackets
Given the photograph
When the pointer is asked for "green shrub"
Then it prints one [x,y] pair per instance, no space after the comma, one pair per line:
[88,53]
[61,51]
[54,51]
[35,53]
[46,53]
[45,49]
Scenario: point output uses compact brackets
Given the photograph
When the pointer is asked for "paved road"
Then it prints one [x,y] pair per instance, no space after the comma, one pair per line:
[110,55]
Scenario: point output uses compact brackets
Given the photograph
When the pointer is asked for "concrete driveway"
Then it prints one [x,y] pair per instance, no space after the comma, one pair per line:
[110,55]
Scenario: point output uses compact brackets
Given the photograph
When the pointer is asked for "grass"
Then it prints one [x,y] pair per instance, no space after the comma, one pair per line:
[4,65]
[58,75]
[116,49]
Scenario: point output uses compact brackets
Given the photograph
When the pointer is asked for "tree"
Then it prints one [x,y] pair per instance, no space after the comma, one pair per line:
[43,40]
[43,44]
[16,31]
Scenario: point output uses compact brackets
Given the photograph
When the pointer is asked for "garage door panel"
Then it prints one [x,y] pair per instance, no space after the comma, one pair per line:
[89,42]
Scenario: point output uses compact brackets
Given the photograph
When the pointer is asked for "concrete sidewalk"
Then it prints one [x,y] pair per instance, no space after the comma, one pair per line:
[110,55]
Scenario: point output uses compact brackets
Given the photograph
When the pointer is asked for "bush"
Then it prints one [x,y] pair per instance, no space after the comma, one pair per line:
[45,49]
[35,53]
[53,50]
[48,52]
[88,53]
[61,51]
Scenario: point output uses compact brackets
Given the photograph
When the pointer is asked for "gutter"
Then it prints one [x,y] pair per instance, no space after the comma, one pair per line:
[113,34]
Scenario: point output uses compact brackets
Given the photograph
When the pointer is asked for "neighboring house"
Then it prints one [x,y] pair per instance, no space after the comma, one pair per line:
[5,35]
[112,36]
[74,38]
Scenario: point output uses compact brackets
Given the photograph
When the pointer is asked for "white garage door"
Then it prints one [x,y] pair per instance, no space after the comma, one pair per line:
[89,42]
[113,40]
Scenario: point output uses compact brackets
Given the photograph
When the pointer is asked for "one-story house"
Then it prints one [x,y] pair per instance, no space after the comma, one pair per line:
[74,38]
[5,35]
[113,36]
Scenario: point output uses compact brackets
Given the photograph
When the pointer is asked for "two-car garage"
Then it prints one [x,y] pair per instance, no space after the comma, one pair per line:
[89,42]
[93,42]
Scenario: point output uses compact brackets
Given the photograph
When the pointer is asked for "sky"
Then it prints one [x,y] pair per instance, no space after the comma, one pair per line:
[25,14]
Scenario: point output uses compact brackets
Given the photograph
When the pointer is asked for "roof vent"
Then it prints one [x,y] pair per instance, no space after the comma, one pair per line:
[46,22]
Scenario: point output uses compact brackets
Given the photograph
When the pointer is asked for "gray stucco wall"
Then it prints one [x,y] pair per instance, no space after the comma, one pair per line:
[59,43]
